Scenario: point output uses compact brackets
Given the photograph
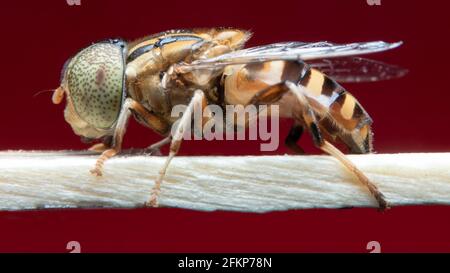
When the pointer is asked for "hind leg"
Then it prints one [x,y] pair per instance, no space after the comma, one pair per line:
[305,115]
[295,133]
[308,116]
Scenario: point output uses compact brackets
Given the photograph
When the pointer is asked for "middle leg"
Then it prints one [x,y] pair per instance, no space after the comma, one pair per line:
[198,99]
[154,149]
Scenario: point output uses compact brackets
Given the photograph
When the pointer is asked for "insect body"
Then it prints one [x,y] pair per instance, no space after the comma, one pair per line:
[109,81]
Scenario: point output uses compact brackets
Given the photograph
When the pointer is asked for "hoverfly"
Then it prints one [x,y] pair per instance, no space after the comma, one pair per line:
[109,81]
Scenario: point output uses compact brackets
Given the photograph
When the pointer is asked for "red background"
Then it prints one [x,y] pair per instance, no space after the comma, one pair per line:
[410,115]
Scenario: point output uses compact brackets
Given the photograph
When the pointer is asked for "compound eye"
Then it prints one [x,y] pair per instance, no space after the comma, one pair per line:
[95,80]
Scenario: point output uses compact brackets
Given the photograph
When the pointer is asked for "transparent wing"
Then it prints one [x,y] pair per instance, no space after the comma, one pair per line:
[288,51]
[356,69]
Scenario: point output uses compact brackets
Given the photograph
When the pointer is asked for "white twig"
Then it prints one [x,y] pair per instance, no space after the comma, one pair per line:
[31,180]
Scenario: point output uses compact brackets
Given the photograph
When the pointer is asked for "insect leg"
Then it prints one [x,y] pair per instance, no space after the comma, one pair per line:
[117,138]
[103,146]
[154,148]
[294,135]
[99,148]
[273,94]
[175,144]
[127,108]
[308,117]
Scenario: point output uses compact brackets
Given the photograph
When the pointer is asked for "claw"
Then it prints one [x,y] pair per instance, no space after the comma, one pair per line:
[153,202]
[96,172]
[383,204]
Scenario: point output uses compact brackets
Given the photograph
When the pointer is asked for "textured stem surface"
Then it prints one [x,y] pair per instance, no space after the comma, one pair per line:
[35,180]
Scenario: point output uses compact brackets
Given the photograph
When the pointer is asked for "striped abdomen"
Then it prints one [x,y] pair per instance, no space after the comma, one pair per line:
[339,114]
[345,117]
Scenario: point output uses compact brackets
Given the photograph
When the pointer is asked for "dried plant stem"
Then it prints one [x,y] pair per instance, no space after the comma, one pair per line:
[32,180]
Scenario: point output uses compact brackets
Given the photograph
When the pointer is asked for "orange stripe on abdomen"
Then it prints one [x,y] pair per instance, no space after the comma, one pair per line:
[341,105]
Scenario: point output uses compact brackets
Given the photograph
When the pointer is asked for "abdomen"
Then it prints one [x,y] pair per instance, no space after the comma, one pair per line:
[344,118]
[340,115]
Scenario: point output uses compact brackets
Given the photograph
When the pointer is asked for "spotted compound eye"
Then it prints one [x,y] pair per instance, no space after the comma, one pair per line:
[95,81]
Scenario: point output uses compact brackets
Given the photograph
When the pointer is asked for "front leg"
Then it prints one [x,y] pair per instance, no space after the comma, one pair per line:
[119,131]
[197,99]
[129,105]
